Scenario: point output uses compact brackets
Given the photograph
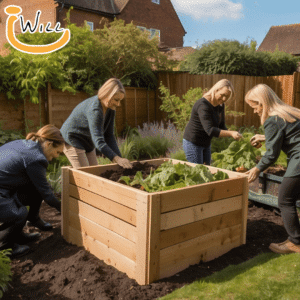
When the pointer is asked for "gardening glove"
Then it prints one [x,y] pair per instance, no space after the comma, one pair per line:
[123,162]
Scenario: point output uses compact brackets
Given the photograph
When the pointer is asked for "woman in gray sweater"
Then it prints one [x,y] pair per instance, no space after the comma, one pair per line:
[282,132]
[91,126]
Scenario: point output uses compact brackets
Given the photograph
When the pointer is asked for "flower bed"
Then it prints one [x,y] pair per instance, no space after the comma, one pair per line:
[153,235]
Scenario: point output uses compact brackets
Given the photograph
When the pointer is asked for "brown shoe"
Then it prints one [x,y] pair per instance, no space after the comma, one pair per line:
[285,247]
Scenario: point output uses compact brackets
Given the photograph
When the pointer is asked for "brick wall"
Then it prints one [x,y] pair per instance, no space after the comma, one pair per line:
[157,16]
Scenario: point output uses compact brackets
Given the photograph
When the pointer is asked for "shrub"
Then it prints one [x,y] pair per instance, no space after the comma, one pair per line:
[233,57]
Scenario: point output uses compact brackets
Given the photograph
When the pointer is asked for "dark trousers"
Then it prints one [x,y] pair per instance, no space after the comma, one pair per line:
[13,212]
[289,193]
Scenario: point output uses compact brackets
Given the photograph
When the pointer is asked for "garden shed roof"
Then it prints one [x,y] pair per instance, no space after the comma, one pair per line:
[105,6]
[287,37]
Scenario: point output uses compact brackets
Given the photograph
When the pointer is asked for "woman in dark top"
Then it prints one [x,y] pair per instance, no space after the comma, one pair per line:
[23,182]
[208,120]
[91,125]
[282,132]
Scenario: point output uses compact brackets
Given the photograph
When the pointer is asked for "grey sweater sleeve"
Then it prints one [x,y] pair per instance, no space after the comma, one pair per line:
[274,134]
[95,121]
[37,174]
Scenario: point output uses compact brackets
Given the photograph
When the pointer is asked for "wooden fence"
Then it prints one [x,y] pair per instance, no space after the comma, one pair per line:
[287,87]
[138,107]
[142,106]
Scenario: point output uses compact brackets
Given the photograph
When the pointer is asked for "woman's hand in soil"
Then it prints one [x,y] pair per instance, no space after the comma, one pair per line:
[257,139]
[236,135]
[252,174]
[123,162]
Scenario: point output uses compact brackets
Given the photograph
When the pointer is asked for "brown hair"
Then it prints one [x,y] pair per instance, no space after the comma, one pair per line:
[47,133]
[110,88]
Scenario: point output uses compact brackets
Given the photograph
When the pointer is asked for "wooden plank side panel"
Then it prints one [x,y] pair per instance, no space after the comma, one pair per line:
[101,218]
[200,212]
[65,202]
[108,255]
[190,231]
[106,188]
[103,235]
[113,208]
[244,210]
[205,248]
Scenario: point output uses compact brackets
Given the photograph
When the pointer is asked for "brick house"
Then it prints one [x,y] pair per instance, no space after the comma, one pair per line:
[156,16]
[286,37]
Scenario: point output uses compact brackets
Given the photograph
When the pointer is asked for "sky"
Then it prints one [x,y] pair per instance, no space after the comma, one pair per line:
[242,20]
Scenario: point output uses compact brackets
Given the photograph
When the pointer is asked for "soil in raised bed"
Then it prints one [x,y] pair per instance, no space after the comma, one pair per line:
[55,269]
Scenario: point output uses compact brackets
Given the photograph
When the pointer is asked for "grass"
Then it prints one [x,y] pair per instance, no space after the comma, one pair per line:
[267,276]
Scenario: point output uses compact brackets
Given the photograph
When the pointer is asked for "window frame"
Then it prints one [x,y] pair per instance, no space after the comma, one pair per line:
[91,24]
[156,1]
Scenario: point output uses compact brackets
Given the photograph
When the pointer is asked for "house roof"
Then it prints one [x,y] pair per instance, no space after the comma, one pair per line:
[105,6]
[287,37]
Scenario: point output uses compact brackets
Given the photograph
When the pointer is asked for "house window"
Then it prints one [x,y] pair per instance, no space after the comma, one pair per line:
[141,28]
[155,1]
[91,24]
[154,32]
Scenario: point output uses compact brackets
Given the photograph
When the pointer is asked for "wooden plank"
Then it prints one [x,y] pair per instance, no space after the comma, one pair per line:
[103,235]
[106,188]
[190,231]
[113,208]
[108,255]
[202,255]
[65,205]
[142,208]
[199,194]
[154,238]
[112,223]
[244,210]
[200,212]
[199,248]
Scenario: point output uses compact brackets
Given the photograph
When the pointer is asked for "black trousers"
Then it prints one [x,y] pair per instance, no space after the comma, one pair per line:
[289,193]
[14,214]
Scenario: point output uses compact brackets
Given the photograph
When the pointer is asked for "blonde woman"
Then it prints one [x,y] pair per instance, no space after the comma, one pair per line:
[91,125]
[282,132]
[23,165]
[208,121]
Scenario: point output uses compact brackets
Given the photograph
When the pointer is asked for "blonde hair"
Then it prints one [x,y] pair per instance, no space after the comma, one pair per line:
[220,84]
[110,88]
[271,104]
[47,133]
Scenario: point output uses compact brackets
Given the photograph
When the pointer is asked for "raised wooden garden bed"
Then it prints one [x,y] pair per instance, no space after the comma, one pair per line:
[153,235]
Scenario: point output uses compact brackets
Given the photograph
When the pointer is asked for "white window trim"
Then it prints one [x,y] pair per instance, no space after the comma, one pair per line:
[156,1]
[91,24]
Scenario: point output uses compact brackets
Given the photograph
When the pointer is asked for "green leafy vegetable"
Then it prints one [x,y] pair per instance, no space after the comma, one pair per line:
[172,176]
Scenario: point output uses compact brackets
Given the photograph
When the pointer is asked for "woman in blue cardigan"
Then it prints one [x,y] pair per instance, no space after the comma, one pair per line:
[23,165]
[91,126]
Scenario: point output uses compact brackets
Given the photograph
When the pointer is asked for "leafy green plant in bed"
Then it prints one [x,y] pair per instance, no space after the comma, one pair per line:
[172,176]
[239,153]
[9,136]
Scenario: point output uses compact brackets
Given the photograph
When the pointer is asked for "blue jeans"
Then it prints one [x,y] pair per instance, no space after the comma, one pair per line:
[196,154]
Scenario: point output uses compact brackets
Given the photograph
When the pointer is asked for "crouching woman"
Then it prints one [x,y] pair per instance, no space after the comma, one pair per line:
[23,165]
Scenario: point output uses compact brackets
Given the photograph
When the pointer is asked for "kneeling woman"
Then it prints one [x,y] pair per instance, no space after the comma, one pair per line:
[23,165]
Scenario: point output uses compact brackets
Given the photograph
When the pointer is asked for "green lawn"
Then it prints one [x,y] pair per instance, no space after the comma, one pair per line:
[267,276]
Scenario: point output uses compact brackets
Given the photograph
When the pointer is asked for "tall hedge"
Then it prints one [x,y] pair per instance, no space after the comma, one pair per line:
[233,57]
